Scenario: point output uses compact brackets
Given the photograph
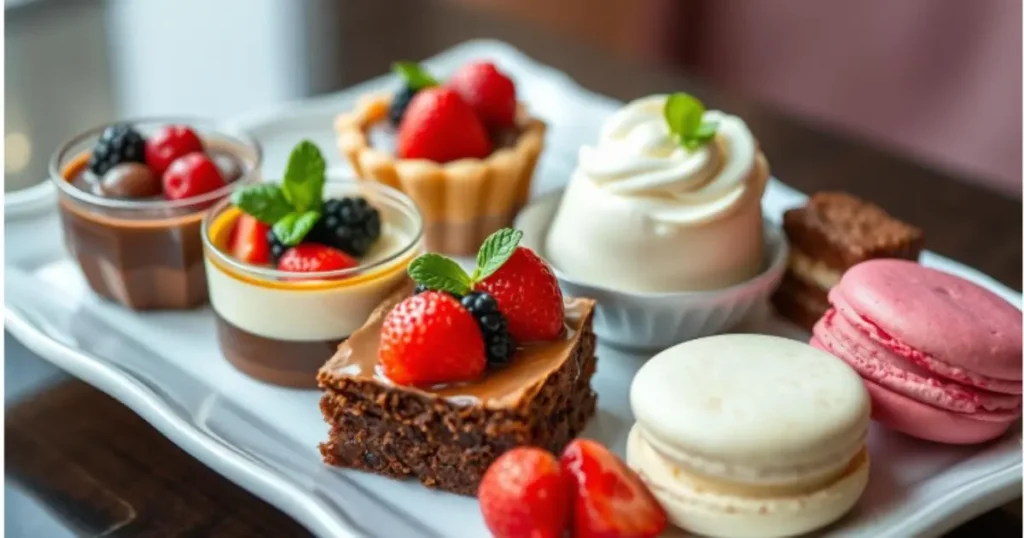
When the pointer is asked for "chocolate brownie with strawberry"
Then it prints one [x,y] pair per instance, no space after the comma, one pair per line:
[296,266]
[464,149]
[457,367]
[132,196]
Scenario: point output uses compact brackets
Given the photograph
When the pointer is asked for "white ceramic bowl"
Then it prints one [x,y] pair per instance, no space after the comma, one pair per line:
[660,320]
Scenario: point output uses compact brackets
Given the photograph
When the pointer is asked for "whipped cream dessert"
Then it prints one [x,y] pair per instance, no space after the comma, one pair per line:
[645,212]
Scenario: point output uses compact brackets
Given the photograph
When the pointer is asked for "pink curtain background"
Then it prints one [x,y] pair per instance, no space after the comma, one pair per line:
[938,80]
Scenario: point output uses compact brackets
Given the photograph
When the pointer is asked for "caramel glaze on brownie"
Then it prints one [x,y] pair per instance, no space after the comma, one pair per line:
[842,230]
[446,437]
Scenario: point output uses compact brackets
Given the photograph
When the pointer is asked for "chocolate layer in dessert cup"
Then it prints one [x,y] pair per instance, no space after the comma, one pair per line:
[144,253]
[447,436]
[463,201]
[280,326]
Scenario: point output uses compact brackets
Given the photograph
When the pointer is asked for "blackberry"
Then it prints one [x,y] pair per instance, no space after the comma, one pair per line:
[399,103]
[349,224]
[277,248]
[117,144]
[493,326]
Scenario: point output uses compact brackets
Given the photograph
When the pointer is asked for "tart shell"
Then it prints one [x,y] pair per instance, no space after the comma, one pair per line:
[462,201]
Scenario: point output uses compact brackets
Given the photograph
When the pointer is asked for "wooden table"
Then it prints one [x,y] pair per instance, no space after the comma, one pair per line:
[98,468]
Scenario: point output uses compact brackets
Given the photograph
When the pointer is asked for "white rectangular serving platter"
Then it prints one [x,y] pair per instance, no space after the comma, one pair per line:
[167,368]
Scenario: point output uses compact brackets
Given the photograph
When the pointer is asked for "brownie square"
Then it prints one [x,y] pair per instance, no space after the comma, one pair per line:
[830,234]
[842,230]
[447,438]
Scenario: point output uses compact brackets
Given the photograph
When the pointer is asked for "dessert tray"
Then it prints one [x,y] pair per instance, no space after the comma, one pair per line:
[167,368]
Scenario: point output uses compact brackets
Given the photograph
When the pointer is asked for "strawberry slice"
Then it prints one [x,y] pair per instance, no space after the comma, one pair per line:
[249,241]
[314,258]
[609,499]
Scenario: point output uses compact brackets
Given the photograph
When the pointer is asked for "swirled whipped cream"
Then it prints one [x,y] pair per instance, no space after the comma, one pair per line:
[644,212]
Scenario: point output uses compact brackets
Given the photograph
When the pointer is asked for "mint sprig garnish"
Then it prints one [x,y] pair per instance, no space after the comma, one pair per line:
[414,75]
[684,115]
[294,206]
[439,273]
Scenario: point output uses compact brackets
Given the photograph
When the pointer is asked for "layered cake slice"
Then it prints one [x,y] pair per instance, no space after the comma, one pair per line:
[832,233]
[449,374]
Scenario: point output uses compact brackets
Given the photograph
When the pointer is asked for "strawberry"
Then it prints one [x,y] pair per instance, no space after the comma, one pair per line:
[429,338]
[249,241]
[314,258]
[191,175]
[438,125]
[490,93]
[609,500]
[527,293]
[525,493]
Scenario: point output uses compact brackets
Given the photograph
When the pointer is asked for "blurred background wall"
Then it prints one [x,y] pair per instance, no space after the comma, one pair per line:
[936,80]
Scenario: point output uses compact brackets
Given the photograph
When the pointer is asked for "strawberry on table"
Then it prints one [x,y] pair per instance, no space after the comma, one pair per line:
[429,338]
[191,175]
[439,126]
[169,143]
[528,294]
[249,240]
[525,493]
[609,499]
[490,93]
[314,258]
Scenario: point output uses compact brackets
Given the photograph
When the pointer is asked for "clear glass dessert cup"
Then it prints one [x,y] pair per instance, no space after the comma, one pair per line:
[281,326]
[144,254]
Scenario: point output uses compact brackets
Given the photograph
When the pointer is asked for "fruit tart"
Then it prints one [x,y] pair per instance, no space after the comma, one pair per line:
[132,197]
[294,268]
[456,368]
[464,150]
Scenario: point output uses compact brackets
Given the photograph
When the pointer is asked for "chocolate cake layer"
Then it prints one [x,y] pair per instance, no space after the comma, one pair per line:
[841,230]
[799,302]
[286,363]
[447,437]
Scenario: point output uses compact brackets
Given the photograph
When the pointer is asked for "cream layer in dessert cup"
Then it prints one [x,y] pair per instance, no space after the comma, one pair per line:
[750,436]
[670,240]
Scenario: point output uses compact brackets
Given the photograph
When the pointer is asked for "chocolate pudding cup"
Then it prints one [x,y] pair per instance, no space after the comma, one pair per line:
[145,254]
[281,326]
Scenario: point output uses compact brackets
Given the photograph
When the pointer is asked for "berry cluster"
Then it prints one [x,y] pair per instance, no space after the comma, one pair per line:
[292,226]
[457,120]
[456,325]
[172,163]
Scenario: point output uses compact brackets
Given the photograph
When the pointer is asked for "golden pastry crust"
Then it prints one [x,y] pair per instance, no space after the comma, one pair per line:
[462,201]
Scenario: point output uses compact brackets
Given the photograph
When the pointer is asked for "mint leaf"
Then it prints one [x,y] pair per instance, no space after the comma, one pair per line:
[684,115]
[291,228]
[705,133]
[415,76]
[304,177]
[439,273]
[496,250]
[265,202]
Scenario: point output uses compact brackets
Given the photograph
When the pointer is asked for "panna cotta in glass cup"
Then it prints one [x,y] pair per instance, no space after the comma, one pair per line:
[287,287]
[131,201]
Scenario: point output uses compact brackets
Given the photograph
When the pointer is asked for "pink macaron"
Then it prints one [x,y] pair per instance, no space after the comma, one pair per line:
[940,356]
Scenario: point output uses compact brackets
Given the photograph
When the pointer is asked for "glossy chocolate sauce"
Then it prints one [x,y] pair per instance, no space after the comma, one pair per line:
[531,364]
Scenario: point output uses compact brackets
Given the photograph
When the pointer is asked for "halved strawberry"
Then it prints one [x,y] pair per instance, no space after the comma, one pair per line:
[314,258]
[249,241]
[609,499]
[525,493]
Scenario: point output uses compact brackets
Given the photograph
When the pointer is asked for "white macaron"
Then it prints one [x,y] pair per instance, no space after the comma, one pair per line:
[750,436]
